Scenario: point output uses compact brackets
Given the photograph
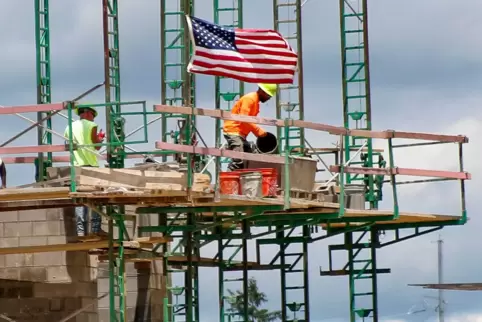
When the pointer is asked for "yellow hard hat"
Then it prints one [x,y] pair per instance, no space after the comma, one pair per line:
[269,89]
[92,108]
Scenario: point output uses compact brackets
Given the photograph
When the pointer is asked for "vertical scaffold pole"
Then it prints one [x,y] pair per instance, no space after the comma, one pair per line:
[289,99]
[115,156]
[227,91]
[357,115]
[178,89]
[44,94]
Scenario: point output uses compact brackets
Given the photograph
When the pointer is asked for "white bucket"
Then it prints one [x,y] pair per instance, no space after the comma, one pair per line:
[251,184]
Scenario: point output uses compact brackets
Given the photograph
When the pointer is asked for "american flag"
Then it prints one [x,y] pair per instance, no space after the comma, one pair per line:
[249,55]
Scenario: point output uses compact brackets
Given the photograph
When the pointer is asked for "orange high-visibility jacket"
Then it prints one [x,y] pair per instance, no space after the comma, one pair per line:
[246,105]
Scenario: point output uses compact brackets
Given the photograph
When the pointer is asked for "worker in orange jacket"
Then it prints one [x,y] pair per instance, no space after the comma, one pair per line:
[236,132]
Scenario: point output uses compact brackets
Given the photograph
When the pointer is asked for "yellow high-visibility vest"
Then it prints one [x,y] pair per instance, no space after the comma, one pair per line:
[82,132]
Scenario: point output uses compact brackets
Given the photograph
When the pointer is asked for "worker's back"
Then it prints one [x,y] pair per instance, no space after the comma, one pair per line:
[246,105]
[82,135]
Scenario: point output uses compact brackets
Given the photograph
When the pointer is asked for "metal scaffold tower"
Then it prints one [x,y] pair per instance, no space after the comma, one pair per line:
[44,94]
[232,244]
[115,157]
[293,253]
[178,89]
[360,246]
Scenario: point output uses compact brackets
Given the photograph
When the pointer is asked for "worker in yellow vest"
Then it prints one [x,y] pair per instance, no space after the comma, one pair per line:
[84,132]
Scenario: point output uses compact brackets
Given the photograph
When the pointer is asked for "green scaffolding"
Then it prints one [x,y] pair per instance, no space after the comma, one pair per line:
[178,89]
[44,89]
[291,233]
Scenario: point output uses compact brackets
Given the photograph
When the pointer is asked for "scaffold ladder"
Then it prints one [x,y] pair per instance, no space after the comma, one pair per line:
[289,99]
[293,258]
[115,157]
[177,86]
[229,251]
[227,90]
[357,95]
[185,296]
[44,89]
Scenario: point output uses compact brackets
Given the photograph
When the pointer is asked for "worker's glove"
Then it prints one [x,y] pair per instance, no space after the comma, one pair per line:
[101,135]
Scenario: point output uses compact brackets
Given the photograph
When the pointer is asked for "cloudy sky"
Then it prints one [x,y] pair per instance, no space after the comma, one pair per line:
[424,68]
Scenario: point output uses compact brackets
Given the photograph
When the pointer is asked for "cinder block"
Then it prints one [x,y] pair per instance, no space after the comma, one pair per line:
[32,215]
[33,274]
[49,259]
[9,273]
[33,241]
[9,216]
[2,261]
[89,302]
[46,228]
[9,242]
[59,274]
[71,304]
[55,240]
[54,214]
[86,317]
[57,304]
[18,260]
[18,229]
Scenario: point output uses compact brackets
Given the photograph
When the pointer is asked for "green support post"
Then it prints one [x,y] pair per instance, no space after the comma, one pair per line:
[44,94]
[289,98]
[232,247]
[177,85]
[293,255]
[115,157]
[227,90]
[357,115]
[178,89]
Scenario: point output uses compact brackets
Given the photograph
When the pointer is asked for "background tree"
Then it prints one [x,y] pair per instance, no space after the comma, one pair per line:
[255,299]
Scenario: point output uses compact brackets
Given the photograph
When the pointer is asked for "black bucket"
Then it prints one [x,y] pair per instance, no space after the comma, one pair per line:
[267,144]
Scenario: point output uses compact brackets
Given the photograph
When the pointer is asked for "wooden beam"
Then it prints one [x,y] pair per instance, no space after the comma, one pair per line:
[33,108]
[220,153]
[335,130]
[34,149]
[404,172]
[60,158]
[138,243]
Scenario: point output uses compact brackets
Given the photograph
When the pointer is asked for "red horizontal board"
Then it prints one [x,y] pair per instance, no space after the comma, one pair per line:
[33,108]
[405,172]
[335,130]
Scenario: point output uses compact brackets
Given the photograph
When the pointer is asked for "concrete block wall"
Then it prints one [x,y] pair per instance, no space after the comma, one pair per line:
[44,286]
[50,286]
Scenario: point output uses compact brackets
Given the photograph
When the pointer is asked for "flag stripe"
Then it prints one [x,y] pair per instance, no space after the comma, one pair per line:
[249,55]
[240,67]
[245,77]
[259,59]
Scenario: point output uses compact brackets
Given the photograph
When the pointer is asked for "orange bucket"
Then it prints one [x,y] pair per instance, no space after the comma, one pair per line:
[229,183]
[270,180]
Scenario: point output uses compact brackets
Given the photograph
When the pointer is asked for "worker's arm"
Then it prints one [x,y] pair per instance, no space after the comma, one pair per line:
[245,109]
[95,138]
[3,174]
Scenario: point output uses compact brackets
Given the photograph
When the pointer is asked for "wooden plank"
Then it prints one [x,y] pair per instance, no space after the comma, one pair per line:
[59,158]
[405,172]
[220,153]
[335,130]
[78,246]
[34,149]
[34,193]
[32,108]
